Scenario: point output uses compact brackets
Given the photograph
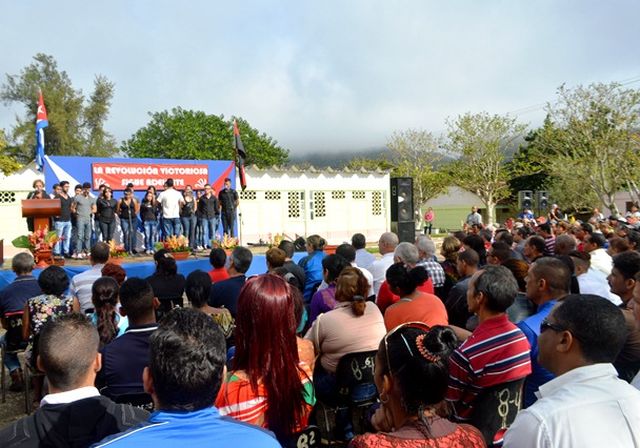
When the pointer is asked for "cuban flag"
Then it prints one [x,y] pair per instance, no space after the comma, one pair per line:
[240,152]
[41,123]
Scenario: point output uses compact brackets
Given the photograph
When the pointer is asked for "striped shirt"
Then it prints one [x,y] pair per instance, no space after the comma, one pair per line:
[550,246]
[238,400]
[496,352]
[82,283]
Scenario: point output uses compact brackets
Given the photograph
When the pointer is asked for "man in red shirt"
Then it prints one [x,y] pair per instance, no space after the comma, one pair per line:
[497,351]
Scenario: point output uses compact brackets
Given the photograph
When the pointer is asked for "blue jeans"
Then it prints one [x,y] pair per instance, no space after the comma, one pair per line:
[10,359]
[171,226]
[150,234]
[128,233]
[209,226]
[83,243]
[189,229]
[63,229]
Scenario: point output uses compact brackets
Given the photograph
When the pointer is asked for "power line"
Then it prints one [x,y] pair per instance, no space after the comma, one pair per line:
[536,107]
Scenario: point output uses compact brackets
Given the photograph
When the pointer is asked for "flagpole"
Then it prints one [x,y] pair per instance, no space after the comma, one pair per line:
[236,176]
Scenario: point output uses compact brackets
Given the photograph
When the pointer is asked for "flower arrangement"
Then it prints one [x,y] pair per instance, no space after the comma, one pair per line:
[116,250]
[227,242]
[38,240]
[174,243]
[275,240]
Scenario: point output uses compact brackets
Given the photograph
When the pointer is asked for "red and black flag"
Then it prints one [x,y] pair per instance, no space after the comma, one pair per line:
[240,154]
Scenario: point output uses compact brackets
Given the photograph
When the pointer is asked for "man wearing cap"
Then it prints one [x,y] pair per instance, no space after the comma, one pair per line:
[83,206]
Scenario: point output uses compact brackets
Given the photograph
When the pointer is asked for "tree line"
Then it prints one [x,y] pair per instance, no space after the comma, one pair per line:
[586,150]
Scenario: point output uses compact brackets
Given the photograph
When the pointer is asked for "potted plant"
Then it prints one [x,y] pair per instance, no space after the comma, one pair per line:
[116,252]
[178,245]
[228,243]
[40,242]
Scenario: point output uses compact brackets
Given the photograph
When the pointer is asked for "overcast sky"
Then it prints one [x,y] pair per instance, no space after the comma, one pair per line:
[326,75]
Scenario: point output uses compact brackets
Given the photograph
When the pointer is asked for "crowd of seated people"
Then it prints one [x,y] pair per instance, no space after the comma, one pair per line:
[251,360]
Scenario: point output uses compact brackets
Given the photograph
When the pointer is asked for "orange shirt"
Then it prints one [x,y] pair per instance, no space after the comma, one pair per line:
[386,298]
[218,274]
[425,308]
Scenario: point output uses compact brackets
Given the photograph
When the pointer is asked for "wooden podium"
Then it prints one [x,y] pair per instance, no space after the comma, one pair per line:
[40,210]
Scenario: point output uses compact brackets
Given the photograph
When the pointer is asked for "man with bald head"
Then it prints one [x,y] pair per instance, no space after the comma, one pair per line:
[387,245]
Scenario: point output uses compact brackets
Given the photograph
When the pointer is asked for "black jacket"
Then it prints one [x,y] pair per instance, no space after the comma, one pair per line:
[78,424]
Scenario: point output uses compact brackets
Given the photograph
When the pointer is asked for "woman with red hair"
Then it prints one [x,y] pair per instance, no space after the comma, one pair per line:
[268,385]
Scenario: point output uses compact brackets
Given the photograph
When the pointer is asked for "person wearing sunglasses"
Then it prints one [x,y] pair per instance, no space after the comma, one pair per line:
[586,404]
[410,413]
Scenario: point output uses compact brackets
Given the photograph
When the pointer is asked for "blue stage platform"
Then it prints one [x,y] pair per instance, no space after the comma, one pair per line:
[145,269]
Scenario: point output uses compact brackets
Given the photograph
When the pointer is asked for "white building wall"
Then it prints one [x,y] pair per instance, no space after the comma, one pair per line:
[13,189]
[333,204]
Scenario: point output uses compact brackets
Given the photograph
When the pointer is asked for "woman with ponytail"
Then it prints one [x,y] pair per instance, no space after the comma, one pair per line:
[414,305]
[411,376]
[104,295]
[354,325]
[268,385]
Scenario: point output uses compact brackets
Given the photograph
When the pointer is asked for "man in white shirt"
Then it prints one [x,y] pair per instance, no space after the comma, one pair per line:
[171,201]
[81,284]
[600,259]
[636,314]
[590,280]
[586,405]
[387,245]
[73,413]
[364,258]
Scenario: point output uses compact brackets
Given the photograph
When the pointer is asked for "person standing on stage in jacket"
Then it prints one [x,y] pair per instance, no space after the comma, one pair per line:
[209,209]
[128,210]
[106,214]
[229,201]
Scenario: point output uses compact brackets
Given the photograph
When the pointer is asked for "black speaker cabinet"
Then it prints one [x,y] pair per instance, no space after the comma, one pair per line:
[406,231]
[401,199]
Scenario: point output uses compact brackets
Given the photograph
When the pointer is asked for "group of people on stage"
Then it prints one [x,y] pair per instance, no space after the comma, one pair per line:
[85,219]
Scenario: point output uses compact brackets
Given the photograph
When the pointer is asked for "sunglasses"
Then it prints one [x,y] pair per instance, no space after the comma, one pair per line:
[418,325]
[546,325]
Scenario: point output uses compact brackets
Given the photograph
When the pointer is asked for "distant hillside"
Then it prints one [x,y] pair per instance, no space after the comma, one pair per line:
[335,159]
[338,159]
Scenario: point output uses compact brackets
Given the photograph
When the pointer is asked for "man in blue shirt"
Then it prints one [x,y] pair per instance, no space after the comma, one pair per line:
[12,301]
[186,368]
[225,293]
[548,281]
[124,358]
